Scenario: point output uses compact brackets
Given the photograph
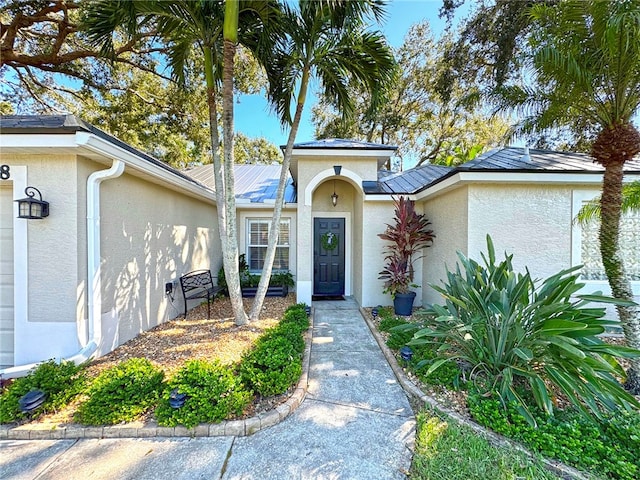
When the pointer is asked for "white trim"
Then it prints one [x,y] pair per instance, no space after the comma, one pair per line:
[341,152]
[20,256]
[247,240]
[348,247]
[88,143]
[320,177]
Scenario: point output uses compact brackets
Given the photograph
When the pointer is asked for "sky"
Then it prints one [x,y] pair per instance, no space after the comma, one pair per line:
[252,115]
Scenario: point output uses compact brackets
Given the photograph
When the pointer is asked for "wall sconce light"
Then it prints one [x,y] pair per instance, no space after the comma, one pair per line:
[337,169]
[334,195]
[31,207]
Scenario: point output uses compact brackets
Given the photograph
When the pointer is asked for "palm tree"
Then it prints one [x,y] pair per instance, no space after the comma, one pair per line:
[586,63]
[630,203]
[328,40]
[188,28]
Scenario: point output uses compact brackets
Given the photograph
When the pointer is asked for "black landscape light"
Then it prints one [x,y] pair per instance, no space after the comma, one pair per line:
[177,399]
[307,310]
[374,312]
[32,400]
[406,353]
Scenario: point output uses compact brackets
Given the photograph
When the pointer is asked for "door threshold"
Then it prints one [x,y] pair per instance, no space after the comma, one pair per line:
[316,298]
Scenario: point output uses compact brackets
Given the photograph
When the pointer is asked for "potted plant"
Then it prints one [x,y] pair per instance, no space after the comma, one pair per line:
[408,234]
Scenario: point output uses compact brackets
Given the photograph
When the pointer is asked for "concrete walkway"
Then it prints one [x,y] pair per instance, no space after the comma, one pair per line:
[355,423]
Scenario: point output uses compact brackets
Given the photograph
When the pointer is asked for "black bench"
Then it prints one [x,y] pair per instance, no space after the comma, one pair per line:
[198,284]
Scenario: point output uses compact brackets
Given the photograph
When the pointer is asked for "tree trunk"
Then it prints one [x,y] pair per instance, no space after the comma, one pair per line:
[610,204]
[277,210]
[230,242]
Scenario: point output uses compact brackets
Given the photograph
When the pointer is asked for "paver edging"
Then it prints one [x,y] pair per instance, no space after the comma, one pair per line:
[412,390]
[235,428]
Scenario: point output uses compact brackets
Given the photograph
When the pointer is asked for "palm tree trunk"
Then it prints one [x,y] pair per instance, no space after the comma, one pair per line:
[610,204]
[230,245]
[277,211]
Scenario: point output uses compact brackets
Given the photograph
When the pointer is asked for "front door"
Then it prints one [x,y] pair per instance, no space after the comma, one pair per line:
[328,254]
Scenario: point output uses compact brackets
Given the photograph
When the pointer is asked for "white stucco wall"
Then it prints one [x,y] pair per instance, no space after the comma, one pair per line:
[449,217]
[150,236]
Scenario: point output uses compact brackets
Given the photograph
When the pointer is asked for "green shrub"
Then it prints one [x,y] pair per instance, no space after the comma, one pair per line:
[248,279]
[213,392]
[122,393]
[61,382]
[274,364]
[609,448]
[514,331]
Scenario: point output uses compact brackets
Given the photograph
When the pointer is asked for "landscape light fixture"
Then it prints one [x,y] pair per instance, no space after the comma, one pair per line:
[30,207]
[177,399]
[32,400]
[406,353]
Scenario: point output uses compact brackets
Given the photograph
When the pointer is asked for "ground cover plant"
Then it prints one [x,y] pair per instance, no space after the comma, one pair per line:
[529,357]
[213,393]
[122,393]
[61,383]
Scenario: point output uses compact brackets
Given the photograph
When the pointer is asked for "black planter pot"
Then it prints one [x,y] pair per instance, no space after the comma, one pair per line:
[403,303]
[271,291]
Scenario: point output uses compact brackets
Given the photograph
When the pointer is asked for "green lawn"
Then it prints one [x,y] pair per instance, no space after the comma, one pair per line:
[447,451]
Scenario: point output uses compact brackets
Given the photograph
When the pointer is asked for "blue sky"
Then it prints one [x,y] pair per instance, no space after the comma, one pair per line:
[252,115]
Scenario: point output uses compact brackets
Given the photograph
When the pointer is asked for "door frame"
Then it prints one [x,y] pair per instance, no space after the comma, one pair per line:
[348,245]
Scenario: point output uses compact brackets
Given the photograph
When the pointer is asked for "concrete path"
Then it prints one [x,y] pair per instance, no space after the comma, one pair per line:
[355,423]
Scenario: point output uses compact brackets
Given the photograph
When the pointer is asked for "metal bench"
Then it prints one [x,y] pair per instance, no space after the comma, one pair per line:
[198,284]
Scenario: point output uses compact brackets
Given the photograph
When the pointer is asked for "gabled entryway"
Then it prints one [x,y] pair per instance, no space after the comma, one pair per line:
[328,257]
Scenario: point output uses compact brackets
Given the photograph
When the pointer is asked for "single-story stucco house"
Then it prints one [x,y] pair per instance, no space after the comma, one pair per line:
[91,275]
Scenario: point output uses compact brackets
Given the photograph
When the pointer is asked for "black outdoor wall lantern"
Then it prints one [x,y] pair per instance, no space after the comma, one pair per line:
[31,207]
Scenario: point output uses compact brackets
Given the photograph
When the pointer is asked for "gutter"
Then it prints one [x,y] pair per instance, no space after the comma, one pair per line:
[94,282]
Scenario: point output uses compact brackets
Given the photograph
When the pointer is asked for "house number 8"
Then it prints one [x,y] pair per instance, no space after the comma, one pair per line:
[5,174]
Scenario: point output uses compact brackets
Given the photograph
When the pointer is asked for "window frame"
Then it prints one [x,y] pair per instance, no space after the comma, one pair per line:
[249,245]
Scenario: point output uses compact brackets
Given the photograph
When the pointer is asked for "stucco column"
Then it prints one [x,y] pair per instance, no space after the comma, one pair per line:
[304,252]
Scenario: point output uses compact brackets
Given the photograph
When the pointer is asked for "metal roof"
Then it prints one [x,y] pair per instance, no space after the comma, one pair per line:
[514,158]
[256,183]
[339,143]
[504,160]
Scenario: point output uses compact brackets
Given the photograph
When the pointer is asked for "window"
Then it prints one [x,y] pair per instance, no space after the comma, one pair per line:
[629,248]
[258,238]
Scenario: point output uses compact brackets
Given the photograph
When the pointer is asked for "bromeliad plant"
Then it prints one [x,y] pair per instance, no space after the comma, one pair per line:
[408,235]
[517,334]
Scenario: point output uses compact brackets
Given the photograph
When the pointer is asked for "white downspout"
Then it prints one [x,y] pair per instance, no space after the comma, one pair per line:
[94,283]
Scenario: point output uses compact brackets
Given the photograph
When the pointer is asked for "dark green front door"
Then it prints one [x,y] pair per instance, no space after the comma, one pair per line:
[328,254]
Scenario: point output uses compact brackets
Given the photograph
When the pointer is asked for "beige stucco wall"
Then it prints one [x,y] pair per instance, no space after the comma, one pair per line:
[532,222]
[449,216]
[377,213]
[53,242]
[150,235]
